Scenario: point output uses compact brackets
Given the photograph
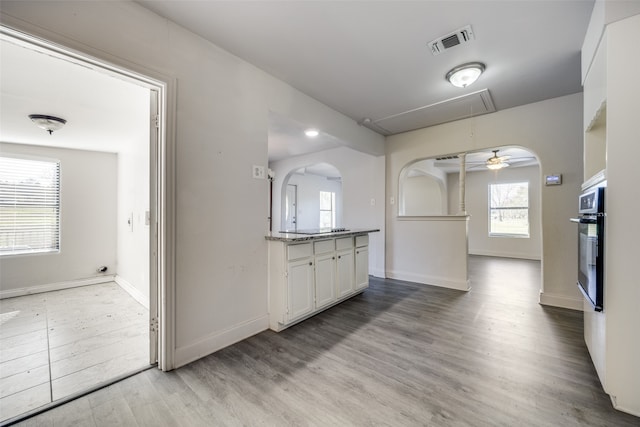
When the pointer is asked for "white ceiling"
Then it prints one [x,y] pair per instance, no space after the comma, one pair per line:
[365,59]
[369,59]
[103,113]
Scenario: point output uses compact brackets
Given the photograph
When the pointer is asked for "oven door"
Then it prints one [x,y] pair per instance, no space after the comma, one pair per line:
[590,259]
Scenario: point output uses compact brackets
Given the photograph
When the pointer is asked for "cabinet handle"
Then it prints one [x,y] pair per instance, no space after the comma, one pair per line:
[339,256]
[357,252]
[310,263]
[334,257]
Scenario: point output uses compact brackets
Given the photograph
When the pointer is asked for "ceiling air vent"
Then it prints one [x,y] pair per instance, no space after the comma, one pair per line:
[460,36]
[451,157]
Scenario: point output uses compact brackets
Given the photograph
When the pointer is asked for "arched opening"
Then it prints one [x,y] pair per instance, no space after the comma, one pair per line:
[312,198]
[502,208]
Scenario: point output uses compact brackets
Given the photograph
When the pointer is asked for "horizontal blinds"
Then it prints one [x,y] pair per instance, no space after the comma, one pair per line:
[29,206]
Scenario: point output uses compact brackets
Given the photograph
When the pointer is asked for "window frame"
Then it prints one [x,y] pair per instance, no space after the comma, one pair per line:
[57,227]
[332,210]
[490,208]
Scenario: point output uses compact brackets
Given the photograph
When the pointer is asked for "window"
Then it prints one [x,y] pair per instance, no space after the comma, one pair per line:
[327,209]
[509,209]
[29,206]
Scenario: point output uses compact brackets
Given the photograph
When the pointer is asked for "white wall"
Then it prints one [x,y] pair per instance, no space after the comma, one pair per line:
[221,128]
[477,204]
[622,286]
[308,208]
[133,200]
[552,130]
[423,195]
[88,224]
[362,182]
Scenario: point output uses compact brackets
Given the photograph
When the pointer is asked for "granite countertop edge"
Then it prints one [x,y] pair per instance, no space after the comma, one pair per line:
[293,237]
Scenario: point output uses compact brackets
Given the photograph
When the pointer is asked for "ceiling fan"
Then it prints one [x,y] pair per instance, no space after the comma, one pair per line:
[483,160]
[495,162]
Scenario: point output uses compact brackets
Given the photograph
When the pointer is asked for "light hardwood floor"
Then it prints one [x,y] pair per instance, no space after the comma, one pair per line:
[400,354]
[56,344]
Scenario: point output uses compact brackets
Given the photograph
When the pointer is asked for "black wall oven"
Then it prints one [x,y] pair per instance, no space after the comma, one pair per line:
[591,246]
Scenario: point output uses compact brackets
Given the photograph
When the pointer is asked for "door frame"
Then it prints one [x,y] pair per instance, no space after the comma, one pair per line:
[162,174]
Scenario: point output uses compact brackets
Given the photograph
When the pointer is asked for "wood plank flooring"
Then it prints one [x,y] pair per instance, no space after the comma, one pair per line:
[56,344]
[400,354]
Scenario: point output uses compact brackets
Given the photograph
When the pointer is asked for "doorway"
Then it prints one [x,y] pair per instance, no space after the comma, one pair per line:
[143,286]
[291,203]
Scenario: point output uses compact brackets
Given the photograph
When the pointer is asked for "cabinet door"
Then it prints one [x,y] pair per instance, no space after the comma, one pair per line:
[300,288]
[325,279]
[362,267]
[344,269]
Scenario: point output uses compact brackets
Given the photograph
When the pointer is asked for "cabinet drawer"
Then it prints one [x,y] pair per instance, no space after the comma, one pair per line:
[299,251]
[344,243]
[323,246]
[362,240]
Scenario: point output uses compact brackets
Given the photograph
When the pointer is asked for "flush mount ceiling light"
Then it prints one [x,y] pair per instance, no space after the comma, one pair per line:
[495,162]
[48,123]
[465,74]
[311,133]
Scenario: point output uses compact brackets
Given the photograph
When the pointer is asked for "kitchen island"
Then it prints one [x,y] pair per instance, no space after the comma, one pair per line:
[310,271]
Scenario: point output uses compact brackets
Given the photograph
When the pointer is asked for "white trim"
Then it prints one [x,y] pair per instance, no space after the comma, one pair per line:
[377,272]
[518,255]
[442,282]
[49,287]
[434,218]
[219,340]
[135,293]
[562,301]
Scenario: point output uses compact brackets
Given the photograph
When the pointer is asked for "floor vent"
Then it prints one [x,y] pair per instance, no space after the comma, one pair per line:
[460,36]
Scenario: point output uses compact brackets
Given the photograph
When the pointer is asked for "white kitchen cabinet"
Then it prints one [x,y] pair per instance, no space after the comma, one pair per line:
[362,267]
[325,279]
[300,288]
[362,262]
[345,279]
[308,277]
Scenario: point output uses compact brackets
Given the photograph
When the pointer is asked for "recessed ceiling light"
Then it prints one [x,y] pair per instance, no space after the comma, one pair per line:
[311,133]
[465,74]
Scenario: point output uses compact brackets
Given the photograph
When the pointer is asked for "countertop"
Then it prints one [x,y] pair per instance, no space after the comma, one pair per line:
[293,237]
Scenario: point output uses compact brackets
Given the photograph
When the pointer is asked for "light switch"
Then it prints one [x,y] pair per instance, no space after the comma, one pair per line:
[130,221]
[392,200]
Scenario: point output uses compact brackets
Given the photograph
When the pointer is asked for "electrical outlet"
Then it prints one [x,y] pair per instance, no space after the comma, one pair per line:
[258,172]
[373,202]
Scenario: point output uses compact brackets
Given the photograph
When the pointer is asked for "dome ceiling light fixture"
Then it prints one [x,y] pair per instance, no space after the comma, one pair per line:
[311,133]
[465,74]
[48,123]
[495,162]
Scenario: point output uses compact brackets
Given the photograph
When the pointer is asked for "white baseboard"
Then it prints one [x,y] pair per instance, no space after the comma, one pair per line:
[377,273]
[219,340]
[443,282]
[562,301]
[10,293]
[135,293]
[506,254]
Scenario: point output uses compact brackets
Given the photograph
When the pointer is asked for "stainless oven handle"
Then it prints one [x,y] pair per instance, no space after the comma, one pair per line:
[583,220]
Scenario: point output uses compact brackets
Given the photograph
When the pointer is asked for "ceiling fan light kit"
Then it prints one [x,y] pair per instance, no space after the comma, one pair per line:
[46,122]
[495,162]
[465,74]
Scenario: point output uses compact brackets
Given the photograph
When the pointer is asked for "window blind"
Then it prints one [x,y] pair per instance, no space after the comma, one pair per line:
[29,206]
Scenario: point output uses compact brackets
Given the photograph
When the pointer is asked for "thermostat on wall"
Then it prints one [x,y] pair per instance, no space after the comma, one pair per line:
[553,179]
